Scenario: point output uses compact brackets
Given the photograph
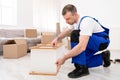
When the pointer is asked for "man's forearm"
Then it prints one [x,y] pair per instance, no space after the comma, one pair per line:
[74,52]
[80,47]
[63,34]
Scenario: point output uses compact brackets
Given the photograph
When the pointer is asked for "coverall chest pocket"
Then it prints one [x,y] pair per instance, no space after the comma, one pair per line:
[74,38]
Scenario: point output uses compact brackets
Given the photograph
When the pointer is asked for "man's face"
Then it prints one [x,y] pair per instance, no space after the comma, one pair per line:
[69,18]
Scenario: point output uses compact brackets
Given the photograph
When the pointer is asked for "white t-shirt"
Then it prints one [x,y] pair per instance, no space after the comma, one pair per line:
[87,26]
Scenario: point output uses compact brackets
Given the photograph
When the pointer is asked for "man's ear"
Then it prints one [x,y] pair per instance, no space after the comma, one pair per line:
[75,13]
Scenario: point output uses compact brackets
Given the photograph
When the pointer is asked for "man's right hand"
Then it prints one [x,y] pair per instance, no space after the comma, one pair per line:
[54,42]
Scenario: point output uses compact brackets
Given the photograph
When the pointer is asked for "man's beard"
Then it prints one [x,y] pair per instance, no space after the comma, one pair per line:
[72,23]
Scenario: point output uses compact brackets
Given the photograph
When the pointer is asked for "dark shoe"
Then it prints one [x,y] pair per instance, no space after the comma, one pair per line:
[106,58]
[117,60]
[79,72]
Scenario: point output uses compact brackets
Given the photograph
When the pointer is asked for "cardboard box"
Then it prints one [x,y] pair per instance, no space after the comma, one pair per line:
[47,37]
[43,58]
[58,29]
[14,48]
[30,33]
[68,43]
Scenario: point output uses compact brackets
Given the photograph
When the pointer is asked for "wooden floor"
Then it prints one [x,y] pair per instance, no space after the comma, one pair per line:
[18,69]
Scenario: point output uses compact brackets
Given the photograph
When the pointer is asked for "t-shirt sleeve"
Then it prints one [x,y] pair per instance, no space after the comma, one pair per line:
[86,26]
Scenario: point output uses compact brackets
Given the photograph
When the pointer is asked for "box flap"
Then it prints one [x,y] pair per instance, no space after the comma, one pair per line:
[10,42]
[20,41]
[48,33]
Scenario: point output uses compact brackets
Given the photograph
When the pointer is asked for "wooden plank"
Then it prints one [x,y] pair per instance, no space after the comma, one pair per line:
[46,46]
[39,73]
[47,74]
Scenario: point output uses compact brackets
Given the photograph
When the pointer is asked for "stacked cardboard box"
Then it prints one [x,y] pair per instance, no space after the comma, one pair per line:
[14,48]
[68,43]
[47,37]
[30,33]
[58,29]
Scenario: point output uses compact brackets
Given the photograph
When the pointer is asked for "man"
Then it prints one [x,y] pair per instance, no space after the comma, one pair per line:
[87,38]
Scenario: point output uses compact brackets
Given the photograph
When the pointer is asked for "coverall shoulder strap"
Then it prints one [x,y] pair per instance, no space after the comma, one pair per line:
[81,20]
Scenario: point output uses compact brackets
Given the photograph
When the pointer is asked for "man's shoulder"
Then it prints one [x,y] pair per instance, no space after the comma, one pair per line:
[86,18]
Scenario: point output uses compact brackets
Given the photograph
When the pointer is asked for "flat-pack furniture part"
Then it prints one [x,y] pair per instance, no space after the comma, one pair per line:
[44,57]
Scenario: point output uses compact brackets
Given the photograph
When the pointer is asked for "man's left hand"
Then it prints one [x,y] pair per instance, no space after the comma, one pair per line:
[60,61]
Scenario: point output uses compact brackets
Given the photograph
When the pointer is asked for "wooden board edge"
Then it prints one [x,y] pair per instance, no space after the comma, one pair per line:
[40,73]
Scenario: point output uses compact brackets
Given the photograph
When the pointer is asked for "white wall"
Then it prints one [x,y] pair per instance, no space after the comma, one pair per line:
[114,38]
[46,14]
[106,11]
[43,14]
[25,13]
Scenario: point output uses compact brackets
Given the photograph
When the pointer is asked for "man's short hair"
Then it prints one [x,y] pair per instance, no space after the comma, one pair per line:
[69,8]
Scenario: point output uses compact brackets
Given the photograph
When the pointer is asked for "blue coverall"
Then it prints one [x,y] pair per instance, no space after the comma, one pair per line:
[98,41]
